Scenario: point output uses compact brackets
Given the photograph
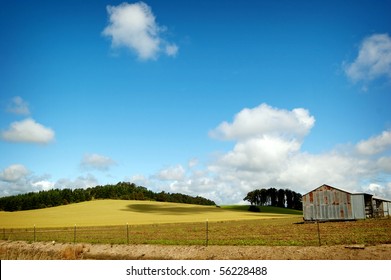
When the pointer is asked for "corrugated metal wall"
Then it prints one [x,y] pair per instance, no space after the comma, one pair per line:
[358,206]
[387,208]
[383,208]
[328,203]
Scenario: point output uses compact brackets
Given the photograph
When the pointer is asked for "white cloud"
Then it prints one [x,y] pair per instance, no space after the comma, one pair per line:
[379,190]
[384,164]
[28,131]
[267,152]
[17,179]
[373,60]
[18,106]
[375,145]
[133,26]
[173,173]
[43,185]
[81,182]
[98,162]
[264,119]
[139,179]
[259,153]
[14,173]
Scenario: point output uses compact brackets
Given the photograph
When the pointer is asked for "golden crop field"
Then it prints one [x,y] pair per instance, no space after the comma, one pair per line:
[121,212]
[147,222]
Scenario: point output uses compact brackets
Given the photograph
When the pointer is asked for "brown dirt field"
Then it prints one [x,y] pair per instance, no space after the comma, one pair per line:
[14,250]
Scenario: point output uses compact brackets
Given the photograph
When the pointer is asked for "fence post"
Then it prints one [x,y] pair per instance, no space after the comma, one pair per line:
[317,222]
[3,233]
[207,233]
[35,234]
[74,235]
[127,233]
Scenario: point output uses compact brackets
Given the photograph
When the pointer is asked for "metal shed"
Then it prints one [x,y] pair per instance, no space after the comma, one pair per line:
[381,206]
[330,203]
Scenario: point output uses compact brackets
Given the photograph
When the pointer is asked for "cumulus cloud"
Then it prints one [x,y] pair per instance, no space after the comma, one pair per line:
[265,120]
[81,182]
[43,185]
[267,152]
[375,145]
[18,106]
[97,162]
[373,60]
[260,153]
[173,173]
[28,131]
[379,190]
[17,179]
[14,173]
[134,26]
[384,163]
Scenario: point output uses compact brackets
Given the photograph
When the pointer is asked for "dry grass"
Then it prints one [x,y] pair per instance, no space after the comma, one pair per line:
[72,252]
[18,250]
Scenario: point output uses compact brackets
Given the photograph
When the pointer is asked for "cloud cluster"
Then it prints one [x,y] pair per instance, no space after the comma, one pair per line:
[375,145]
[27,130]
[265,120]
[267,152]
[81,182]
[171,173]
[97,162]
[18,179]
[14,173]
[373,60]
[15,179]
[134,26]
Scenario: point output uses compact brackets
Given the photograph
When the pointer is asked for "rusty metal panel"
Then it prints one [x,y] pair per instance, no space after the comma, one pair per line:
[328,203]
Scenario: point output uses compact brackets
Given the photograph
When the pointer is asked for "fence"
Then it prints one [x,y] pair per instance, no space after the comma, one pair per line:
[251,232]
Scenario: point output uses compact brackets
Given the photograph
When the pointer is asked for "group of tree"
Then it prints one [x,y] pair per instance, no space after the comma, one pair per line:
[273,197]
[122,190]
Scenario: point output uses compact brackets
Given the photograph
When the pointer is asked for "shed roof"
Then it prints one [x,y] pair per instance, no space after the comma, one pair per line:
[325,185]
[342,190]
[380,198]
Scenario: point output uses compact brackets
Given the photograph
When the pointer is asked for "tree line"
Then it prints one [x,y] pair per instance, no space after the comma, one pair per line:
[122,190]
[273,197]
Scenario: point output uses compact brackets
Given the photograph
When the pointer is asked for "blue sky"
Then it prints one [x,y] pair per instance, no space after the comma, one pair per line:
[211,98]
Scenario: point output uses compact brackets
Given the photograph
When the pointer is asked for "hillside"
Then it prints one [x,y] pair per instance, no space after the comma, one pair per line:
[122,190]
[121,212]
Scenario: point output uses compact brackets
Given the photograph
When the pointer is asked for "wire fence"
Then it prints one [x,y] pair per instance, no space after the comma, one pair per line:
[254,232]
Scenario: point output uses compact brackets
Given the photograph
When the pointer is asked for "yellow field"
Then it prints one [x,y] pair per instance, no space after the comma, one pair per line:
[120,212]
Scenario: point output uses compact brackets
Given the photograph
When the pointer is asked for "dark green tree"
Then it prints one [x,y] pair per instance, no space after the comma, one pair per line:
[281,198]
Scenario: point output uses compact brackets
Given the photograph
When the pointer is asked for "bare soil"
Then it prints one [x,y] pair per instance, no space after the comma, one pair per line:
[16,250]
